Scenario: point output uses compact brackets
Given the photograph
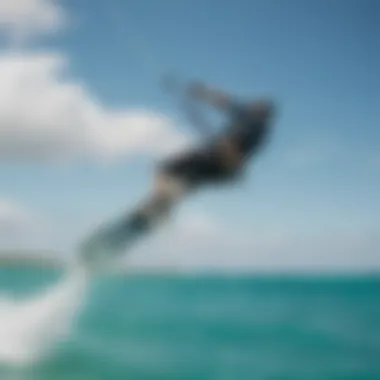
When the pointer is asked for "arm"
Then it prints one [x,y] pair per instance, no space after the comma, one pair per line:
[191,95]
[215,98]
[189,103]
[197,93]
[232,157]
[195,116]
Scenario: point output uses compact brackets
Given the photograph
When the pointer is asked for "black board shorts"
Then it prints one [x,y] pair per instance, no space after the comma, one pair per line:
[205,165]
[197,167]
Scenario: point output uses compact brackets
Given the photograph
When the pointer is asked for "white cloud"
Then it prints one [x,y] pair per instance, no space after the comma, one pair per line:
[22,20]
[12,217]
[213,245]
[196,224]
[21,228]
[350,250]
[175,244]
[46,115]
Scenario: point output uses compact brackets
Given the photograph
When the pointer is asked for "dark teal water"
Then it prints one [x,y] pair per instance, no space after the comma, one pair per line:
[210,327]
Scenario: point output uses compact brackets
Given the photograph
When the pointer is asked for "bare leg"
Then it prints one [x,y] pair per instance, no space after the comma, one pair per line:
[166,192]
[113,239]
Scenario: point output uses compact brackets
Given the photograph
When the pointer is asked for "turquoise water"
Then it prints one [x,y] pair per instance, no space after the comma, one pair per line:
[213,327]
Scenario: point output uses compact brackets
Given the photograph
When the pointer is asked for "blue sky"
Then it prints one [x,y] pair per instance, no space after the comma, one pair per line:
[319,177]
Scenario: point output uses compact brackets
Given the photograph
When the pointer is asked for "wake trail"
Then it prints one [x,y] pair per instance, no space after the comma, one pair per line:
[29,328]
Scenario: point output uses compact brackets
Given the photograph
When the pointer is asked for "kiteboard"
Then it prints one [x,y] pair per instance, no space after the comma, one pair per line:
[110,241]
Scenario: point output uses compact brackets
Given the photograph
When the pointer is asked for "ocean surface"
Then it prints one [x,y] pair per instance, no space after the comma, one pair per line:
[189,327]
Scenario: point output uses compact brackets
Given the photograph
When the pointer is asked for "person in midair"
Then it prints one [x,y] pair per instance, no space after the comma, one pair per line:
[218,160]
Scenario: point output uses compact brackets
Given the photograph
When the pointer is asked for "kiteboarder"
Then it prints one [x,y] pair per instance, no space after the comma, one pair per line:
[219,159]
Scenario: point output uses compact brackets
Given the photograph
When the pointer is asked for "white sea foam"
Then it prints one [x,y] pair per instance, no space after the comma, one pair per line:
[30,327]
